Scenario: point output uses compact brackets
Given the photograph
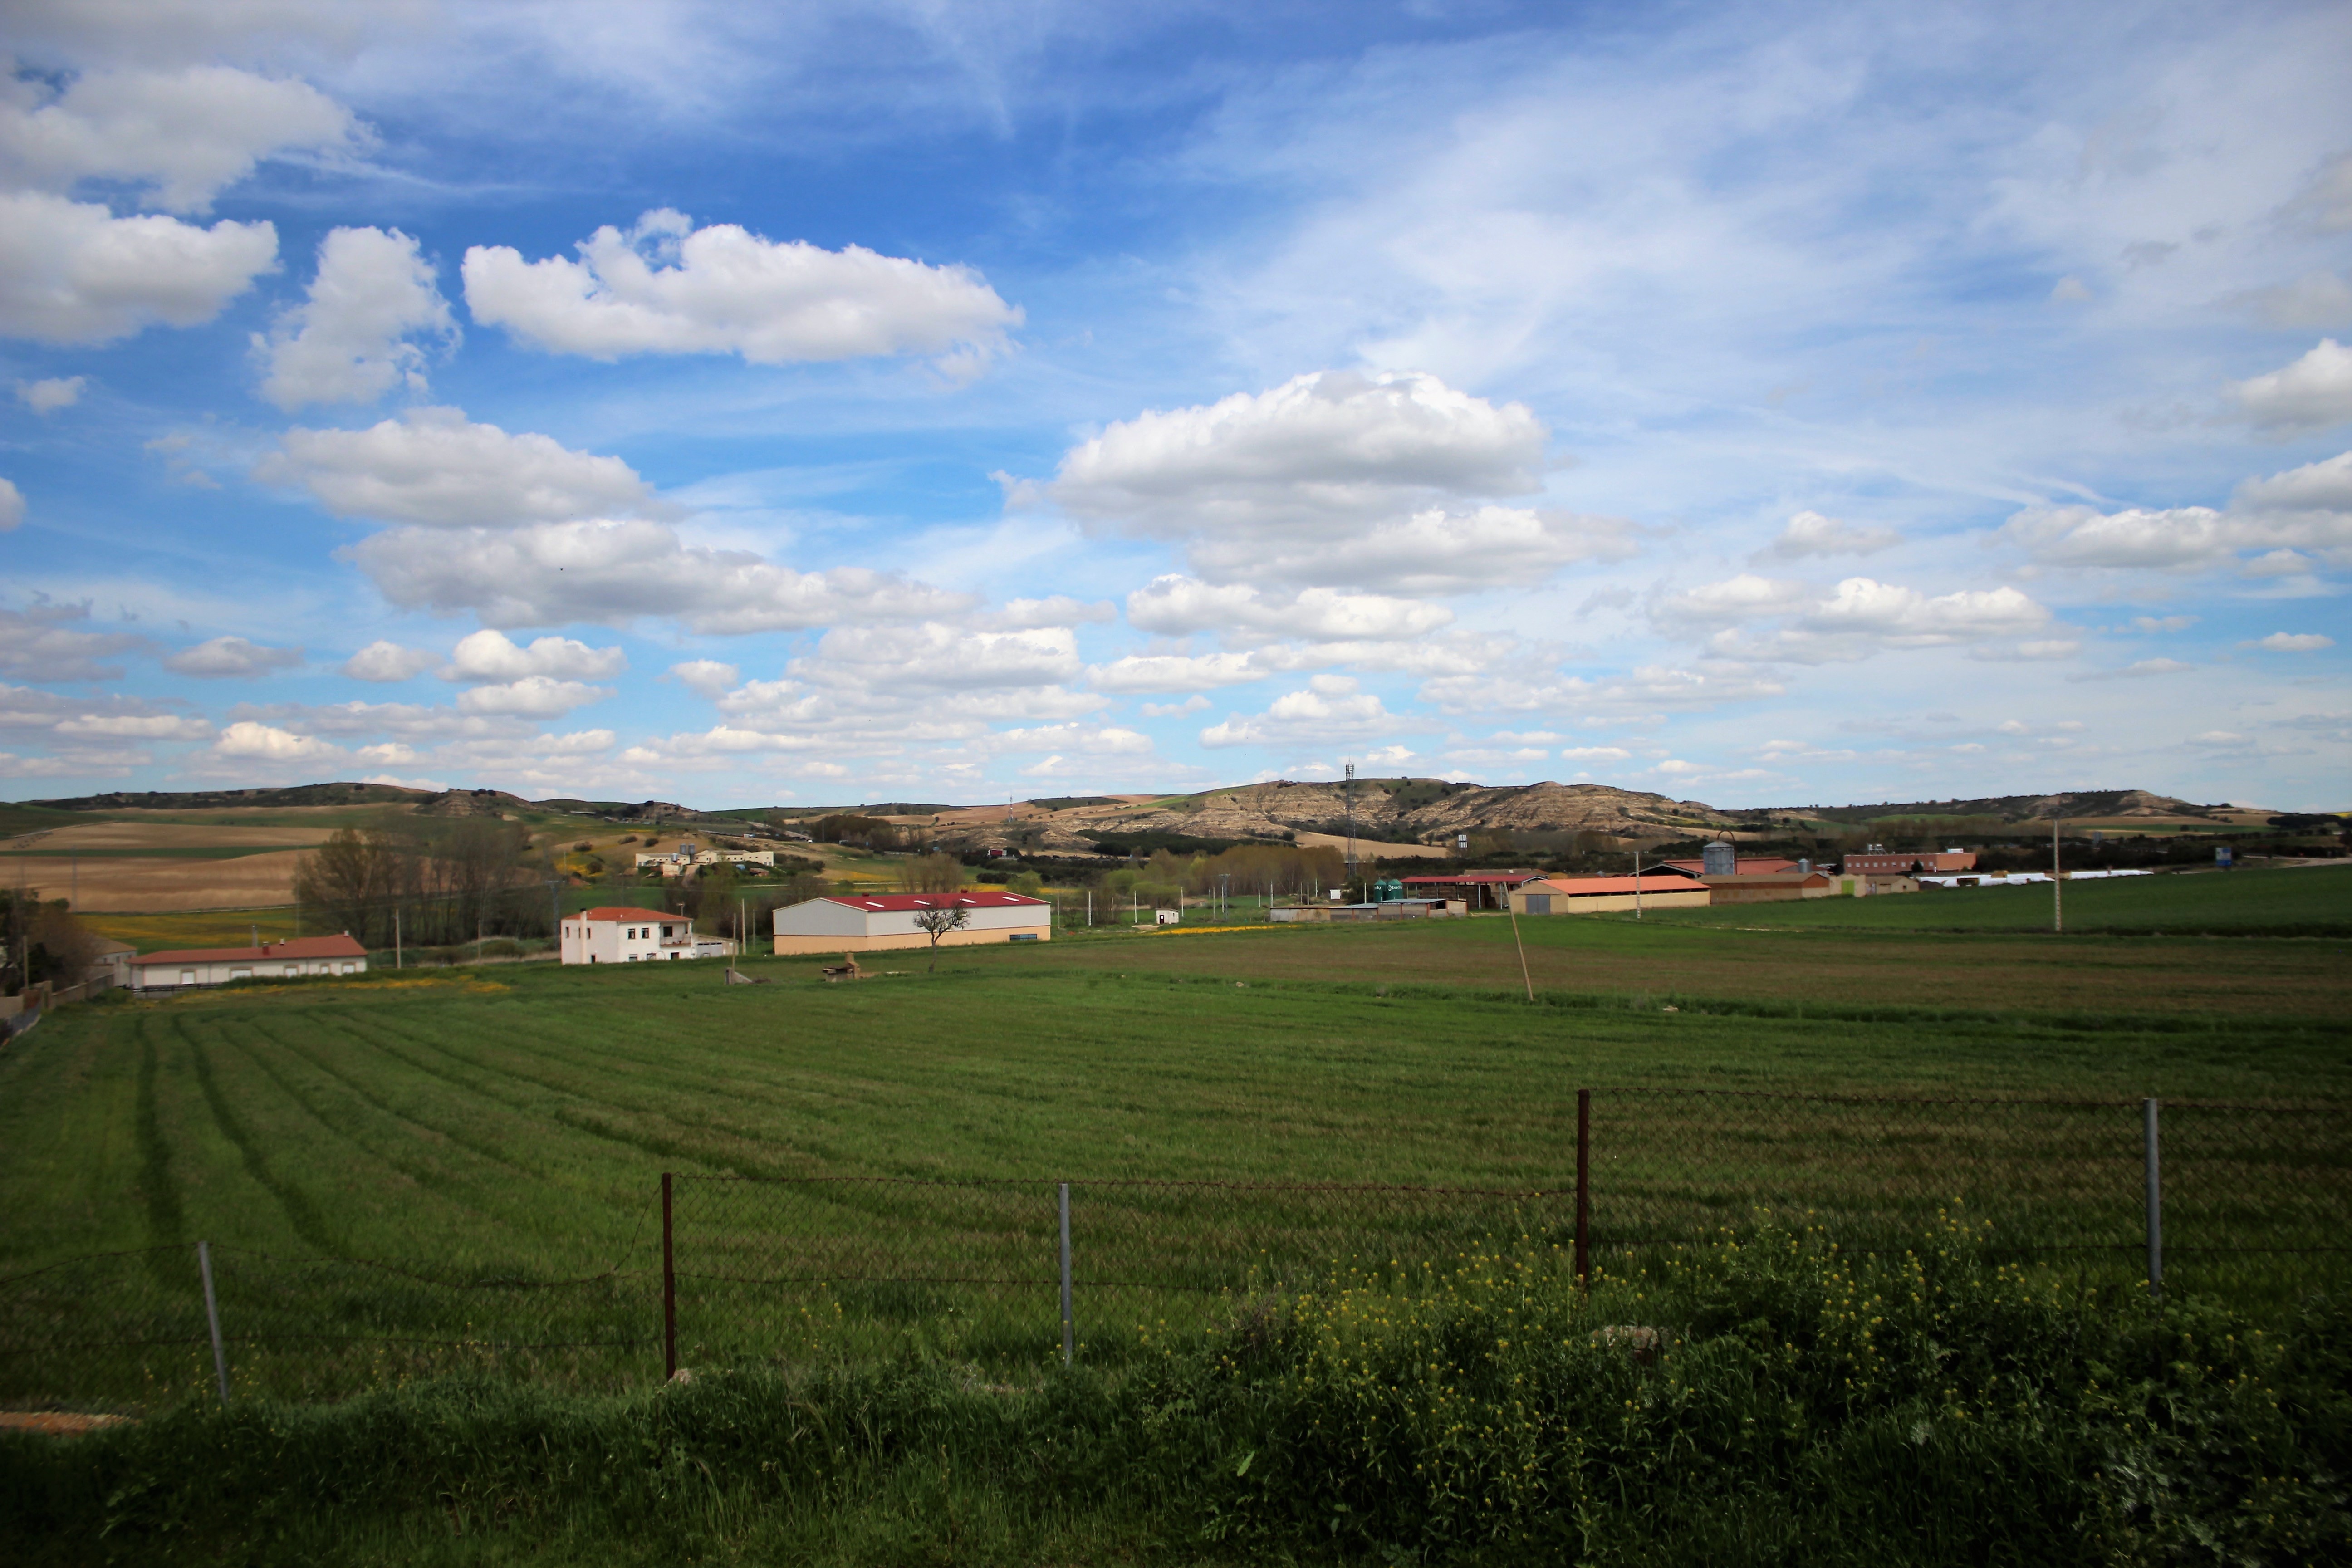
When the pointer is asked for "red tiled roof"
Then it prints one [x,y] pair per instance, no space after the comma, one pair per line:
[268,953]
[628,912]
[878,903]
[1459,878]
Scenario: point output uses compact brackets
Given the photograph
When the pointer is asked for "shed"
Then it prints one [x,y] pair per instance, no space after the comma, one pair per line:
[303,957]
[1593,895]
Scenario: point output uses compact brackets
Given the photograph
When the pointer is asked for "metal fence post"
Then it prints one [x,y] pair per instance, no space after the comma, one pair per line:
[669,1290]
[212,1317]
[1583,1184]
[2155,1206]
[1069,1338]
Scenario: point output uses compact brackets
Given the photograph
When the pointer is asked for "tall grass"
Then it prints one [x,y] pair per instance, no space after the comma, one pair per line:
[1768,1400]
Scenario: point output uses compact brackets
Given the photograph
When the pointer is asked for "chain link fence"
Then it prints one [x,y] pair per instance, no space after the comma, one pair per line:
[2251,1201]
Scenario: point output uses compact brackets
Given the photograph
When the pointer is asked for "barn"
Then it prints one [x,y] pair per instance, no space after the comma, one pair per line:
[305,956]
[866,922]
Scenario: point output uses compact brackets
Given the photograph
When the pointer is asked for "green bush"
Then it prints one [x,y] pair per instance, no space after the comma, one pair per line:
[1770,1400]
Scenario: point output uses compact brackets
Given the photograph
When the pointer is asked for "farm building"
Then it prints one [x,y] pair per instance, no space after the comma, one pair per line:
[1729,865]
[620,933]
[1773,887]
[1381,910]
[1907,863]
[686,857]
[1591,895]
[302,957]
[852,922]
[1475,889]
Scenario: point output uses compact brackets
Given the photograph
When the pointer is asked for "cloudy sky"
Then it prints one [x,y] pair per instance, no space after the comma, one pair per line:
[816,401]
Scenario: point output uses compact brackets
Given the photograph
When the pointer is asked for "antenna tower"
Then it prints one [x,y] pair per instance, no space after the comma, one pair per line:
[1351,825]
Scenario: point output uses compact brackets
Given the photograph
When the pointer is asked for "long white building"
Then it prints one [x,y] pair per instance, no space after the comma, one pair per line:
[866,922]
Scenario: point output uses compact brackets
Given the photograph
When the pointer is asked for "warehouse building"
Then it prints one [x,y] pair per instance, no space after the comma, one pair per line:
[867,923]
[1593,895]
[305,957]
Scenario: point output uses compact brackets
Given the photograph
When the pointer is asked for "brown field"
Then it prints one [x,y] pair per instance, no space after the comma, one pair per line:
[134,883]
[1373,847]
[165,835]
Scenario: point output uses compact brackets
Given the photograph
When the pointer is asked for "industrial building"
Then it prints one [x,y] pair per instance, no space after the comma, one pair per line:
[622,933]
[1475,890]
[304,957]
[1875,861]
[1593,895]
[866,922]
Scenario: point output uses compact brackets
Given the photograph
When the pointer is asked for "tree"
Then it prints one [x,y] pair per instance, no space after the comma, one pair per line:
[932,873]
[353,877]
[935,921]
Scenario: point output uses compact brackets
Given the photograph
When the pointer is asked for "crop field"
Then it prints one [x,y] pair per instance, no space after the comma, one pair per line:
[512,1122]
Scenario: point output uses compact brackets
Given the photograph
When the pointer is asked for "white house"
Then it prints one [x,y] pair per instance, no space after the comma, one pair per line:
[865,922]
[686,857]
[619,934]
[304,957]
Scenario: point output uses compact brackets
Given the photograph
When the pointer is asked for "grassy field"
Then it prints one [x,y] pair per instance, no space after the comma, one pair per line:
[205,928]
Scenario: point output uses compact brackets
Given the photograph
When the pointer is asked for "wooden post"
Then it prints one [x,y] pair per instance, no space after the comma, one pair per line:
[669,1289]
[1583,1185]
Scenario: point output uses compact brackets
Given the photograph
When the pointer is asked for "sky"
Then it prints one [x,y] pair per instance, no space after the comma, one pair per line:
[818,403]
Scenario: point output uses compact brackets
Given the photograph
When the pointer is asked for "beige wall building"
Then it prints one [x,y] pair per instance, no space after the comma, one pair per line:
[1593,895]
[868,922]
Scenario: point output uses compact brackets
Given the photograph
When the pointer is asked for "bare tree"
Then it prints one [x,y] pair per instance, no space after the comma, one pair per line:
[935,922]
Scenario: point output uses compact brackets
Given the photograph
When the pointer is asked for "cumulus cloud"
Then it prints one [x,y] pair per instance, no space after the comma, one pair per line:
[1177,672]
[532,696]
[268,743]
[230,658]
[1090,740]
[1330,707]
[12,506]
[1645,691]
[704,676]
[182,135]
[1056,610]
[2292,642]
[349,341]
[489,655]
[2312,393]
[665,287]
[938,657]
[72,272]
[1335,479]
[435,469]
[1863,616]
[1178,606]
[2309,508]
[387,661]
[1810,533]
[40,644]
[613,573]
[137,727]
[45,398]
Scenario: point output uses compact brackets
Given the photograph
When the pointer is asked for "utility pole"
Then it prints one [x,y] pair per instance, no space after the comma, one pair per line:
[395,937]
[1637,879]
[1352,827]
[2057,881]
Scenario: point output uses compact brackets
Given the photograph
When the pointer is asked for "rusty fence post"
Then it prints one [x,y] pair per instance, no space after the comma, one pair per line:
[1583,1185]
[669,1289]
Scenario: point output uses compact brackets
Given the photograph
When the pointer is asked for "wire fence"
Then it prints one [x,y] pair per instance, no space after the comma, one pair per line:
[2253,1200]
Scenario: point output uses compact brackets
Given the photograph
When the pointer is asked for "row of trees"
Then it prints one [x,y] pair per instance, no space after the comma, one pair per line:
[42,941]
[443,881]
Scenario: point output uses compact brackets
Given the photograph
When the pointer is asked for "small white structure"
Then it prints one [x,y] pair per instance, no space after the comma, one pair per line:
[866,922]
[305,957]
[619,934]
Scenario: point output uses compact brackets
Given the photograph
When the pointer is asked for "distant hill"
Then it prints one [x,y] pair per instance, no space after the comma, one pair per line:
[2106,803]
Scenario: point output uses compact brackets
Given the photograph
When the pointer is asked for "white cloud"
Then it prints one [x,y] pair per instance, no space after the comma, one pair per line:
[230,656]
[1330,707]
[665,287]
[1196,703]
[1595,754]
[2027,652]
[1057,610]
[532,696]
[2141,670]
[1092,740]
[704,676]
[1810,533]
[2154,624]
[183,134]
[267,742]
[12,506]
[1646,691]
[2292,642]
[1335,479]
[387,661]
[72,272]
[938,657]
[1177,672]
[126,726]
[432,466]
[2309,508]
[45,398]
[1732,602]
[2312,393]
[613,573]
[36,645]
[1178,606]
[489,655]
[348,341]
[2218,738]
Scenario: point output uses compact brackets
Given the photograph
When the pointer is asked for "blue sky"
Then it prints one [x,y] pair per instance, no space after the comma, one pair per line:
[818,403]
